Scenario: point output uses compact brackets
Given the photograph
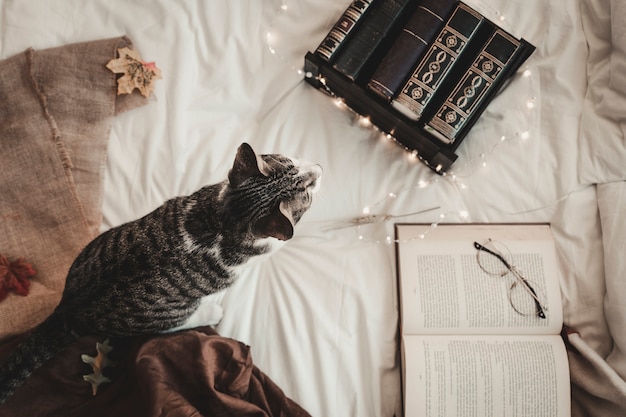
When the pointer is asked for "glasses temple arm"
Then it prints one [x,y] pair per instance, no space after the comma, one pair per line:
[478,246]
[540,310]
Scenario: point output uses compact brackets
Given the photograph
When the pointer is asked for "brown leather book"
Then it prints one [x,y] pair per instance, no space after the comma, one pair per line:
[410,46]
[346,23]
[429,75]
[375,25]
[474,88]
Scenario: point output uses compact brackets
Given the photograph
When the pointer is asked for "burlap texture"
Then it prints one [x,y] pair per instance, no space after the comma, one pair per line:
[56,110]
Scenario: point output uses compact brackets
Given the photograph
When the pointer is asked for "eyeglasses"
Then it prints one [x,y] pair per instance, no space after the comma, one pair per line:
[494,258]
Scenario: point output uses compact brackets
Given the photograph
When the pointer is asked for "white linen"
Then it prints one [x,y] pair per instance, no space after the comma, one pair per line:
[321,315]
[603,122]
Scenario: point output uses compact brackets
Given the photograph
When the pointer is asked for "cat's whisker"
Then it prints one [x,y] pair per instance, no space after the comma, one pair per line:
[320,194]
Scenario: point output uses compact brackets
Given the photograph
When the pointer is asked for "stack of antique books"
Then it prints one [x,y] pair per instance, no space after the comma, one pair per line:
[422,70]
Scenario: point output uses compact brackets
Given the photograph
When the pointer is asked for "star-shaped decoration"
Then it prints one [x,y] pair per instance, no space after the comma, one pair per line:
[14,276]
[137,73]
[98,363]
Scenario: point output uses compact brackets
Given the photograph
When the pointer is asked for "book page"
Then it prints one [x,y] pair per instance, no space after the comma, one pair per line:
[444,290]
[486,376]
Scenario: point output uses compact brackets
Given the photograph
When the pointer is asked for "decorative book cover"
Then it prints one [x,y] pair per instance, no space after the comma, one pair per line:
[368,35]
[346,23]
[472,90]
[410,46]
[439,60]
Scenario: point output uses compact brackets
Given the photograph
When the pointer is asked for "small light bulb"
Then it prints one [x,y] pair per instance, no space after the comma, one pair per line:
[366,210]
[527,73]
[525,135]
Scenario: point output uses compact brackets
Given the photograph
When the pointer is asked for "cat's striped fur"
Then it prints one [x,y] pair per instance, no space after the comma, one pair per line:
[150,275]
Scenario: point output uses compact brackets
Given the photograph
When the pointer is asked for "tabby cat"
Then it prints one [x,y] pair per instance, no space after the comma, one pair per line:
[151,275]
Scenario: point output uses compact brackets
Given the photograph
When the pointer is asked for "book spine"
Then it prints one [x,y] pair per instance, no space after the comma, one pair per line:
[374,26]
[346,23]
[443,53]
[410,46]
[475,86]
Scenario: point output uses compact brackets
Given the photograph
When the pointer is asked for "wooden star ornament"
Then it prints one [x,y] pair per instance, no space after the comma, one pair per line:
[98,363]
[136,72]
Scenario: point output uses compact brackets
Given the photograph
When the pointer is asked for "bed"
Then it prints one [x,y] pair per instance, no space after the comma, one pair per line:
[320,316]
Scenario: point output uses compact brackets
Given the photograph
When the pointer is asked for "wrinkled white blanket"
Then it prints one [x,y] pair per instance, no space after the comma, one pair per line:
[321,315]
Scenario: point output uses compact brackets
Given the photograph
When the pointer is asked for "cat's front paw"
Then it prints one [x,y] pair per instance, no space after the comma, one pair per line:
[210,314]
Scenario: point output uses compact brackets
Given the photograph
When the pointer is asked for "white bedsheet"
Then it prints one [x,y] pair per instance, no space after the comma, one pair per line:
[321,315]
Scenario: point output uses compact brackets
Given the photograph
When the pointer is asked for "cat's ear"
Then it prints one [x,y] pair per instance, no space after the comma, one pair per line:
[278,224]
[247,164]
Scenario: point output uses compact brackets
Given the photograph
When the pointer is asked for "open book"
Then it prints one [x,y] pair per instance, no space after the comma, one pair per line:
[480,321]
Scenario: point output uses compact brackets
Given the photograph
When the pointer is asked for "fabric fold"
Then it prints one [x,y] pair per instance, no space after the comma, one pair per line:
[191,373]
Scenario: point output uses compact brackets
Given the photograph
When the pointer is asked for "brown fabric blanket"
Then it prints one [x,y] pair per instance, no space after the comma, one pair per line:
[192,373]
[56,109]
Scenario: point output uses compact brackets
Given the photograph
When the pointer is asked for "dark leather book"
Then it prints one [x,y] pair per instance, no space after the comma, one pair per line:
[410,46]
[438,61]
[374,26]
[346,23]
[475,87]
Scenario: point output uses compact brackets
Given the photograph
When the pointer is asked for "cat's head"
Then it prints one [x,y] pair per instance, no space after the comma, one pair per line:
[271,192]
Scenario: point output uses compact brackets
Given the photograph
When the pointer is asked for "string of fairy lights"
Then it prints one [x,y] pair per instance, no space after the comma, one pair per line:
[368,215]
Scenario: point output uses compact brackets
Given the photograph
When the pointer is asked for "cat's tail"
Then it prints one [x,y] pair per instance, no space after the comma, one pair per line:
[46,340]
